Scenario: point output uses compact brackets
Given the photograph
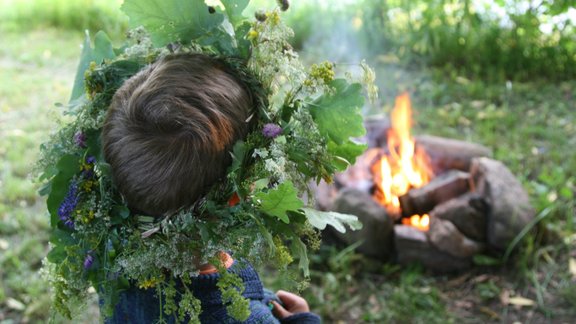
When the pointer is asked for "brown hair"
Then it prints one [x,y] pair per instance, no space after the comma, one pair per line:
[170,128]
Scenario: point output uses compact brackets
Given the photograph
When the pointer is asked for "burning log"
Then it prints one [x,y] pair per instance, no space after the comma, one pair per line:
[377,225]
[467,213]
[442,188]
[447,238]
[413,246]
[446,154]
[509,206]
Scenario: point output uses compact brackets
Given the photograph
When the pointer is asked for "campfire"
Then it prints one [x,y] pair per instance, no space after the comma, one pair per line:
[402,166]
[426,199]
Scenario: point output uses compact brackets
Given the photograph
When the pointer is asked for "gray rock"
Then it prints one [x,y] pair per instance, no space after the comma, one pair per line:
[447,238]
[377,226]
[509,206]
[413,246]
[467,213]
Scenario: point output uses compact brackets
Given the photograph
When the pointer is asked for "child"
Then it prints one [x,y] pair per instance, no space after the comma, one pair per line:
[167,138]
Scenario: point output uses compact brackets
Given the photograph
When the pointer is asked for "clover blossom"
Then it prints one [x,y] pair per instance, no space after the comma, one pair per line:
[68,205]
[271,130]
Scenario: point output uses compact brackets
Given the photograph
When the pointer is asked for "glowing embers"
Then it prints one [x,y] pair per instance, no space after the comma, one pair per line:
[420,222]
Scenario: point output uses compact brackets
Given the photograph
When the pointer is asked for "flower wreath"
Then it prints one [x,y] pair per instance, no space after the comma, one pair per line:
[305,121]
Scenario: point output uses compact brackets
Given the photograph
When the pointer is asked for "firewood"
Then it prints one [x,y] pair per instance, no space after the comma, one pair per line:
[442,188]
[446,154]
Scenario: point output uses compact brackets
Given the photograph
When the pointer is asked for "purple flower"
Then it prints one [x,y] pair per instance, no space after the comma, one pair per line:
[271,130]
[88,260]
[68,205]
[80,139]
[90,159]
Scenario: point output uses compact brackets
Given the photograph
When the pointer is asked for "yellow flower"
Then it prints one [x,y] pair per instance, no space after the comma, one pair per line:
[149,283]
[88,185]
[252,35]
[86,217]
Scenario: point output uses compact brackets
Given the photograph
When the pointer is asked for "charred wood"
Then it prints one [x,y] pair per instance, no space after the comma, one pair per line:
[442,188]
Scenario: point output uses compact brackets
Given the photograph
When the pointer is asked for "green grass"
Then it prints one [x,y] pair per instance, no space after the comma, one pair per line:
[79,15]
[37,71]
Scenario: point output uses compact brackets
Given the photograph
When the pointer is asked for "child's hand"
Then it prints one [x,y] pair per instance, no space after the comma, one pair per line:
[293,304]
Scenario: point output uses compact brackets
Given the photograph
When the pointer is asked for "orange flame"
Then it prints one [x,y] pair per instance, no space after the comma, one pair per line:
[405,167]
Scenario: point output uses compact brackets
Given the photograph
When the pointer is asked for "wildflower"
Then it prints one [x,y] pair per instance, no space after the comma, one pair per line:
[234,200]
[271,130]
[149,283]
[252,35]
[68,205]
[85,215]
[88,185]
[88,260]
[322,72]
[80,139]
[87,167]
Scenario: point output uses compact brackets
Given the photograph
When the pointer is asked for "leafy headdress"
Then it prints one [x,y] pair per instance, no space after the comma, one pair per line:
[305,123]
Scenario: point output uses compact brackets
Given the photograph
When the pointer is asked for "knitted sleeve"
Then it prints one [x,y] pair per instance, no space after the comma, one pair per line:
[302,318]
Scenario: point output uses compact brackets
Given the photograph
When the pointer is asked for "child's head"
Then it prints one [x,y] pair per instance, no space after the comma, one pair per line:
[170,128]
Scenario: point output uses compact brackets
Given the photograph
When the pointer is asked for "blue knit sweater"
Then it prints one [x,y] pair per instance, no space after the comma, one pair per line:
[142,306]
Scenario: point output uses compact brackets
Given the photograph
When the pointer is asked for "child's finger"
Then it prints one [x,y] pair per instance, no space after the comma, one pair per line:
[279,311]
[293,302]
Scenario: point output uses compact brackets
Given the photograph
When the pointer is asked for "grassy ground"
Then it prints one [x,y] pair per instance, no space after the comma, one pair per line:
[37,72]
[531,127]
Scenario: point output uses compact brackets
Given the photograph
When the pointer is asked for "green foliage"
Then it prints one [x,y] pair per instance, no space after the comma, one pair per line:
[466,36]
[277,202]
[339,119]
[172,21]
[320,220]
[232,287]
[101,51]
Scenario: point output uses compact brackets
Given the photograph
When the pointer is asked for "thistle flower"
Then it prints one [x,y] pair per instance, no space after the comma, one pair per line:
[68,205]
[88,260]
[80,139]
[271,130]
